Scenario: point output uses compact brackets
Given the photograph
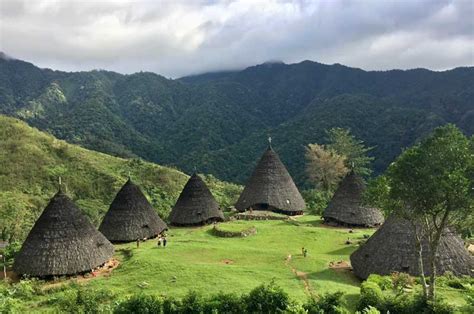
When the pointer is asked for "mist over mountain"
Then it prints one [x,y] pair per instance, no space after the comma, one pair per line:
[219,122]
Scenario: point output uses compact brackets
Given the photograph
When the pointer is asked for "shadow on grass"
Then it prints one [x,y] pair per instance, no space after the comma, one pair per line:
[347,250]
[127,253]
[339,276]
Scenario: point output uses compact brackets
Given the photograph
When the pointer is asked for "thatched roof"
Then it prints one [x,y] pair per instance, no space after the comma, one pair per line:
[345,207]
[62,242]
[131,217]
[195,205]
[392,249]
[271,186]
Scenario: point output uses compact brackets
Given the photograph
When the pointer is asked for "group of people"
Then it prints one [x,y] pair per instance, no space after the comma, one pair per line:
[162,240]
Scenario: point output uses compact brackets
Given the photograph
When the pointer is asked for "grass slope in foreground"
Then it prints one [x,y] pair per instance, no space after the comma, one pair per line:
[31,162]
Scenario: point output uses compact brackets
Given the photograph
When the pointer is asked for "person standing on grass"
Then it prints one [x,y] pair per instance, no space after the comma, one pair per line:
[159,240]
[164,241]
[138,243]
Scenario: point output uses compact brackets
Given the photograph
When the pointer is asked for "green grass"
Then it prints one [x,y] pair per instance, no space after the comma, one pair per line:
[196,260]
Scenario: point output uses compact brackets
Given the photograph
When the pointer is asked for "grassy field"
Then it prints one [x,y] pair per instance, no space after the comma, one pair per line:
[194,259]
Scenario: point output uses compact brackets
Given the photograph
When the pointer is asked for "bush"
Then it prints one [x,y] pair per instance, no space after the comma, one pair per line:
[140,303]
[266,299]
[370,295]
[383,282]
[83,300]
[192,303]
[171,306]
[330,303]
[369,310]
[400,281]
[224,303]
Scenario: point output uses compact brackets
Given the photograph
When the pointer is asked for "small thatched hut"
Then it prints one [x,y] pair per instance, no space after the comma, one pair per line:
[345,208]
[392,249]
[271,188]
[195,205]
[62,242]
[131,217]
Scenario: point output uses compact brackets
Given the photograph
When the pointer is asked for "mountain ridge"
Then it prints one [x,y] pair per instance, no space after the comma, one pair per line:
[219,122]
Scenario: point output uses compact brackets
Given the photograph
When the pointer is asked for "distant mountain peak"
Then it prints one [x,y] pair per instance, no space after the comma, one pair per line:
[4,56]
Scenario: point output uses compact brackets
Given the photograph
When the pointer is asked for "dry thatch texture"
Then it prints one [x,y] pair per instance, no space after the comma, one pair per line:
[195,205]
[345,207]
[271,188]
[392,249]
[62,242]
[131,217]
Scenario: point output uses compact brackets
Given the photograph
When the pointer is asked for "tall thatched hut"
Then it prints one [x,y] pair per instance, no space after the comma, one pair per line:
[346,209]
[271,188]
[131,216]
[392,249]
[195,205]
[62,242]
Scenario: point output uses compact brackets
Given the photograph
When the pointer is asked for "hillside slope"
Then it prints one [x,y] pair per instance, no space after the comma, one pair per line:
[219,122]
[31,162]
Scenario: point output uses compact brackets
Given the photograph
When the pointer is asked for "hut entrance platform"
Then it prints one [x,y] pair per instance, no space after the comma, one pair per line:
[337,223]
[260,215]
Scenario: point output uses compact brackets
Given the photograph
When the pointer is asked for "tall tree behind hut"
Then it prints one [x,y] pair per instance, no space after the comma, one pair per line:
[431,185]
[324,167]
[327,165]
[345,144]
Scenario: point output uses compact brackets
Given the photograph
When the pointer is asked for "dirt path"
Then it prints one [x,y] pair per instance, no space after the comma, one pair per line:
[300,275]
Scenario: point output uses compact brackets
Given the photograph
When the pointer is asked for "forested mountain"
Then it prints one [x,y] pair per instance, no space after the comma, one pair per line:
[219,122]
[31,162]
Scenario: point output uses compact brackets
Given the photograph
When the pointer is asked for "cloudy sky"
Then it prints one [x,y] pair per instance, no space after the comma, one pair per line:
[176,38]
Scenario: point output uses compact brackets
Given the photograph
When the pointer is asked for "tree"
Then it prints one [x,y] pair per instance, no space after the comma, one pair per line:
[345,144]
[324,167]
[431,184]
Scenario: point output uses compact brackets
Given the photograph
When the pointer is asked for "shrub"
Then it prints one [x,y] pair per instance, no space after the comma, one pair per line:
[369,310]
[139,303]
[383,282]
[83,300]
[370,295]
[192,303]
[9,305]
[400,281]
[171,306]
[330,303]
[224,303]
[266,299]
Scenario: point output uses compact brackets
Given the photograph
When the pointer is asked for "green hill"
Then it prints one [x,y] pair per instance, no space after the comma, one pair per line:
[31,162]
[219,122]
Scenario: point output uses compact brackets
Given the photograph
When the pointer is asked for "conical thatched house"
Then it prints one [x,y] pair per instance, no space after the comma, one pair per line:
[345,208]
[62,242]
[271,188]
[392,249]
[195,205]
[131,217]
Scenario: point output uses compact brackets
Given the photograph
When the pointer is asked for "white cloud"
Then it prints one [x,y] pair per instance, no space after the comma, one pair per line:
[176,38]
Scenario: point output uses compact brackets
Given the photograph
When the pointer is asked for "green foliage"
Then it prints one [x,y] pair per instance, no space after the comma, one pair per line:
[384,282]
[316,200]
[267,298]
[82,300]
[370,295]
[140,304]
[219,123]
[401,281]
[345,144]
[369,310]
[329,303]
[32,162]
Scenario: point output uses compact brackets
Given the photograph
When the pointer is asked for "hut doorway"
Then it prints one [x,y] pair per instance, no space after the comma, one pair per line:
[262,206]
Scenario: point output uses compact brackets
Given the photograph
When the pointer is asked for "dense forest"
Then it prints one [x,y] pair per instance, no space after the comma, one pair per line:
[219,122]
